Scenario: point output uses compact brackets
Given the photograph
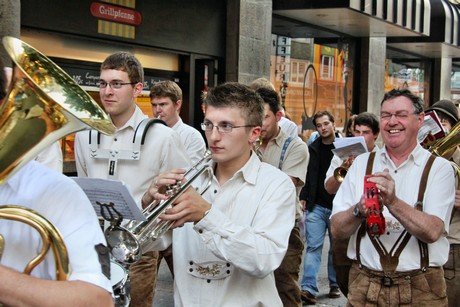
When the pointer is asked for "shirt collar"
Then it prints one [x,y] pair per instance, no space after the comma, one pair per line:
[134,120]
[249,171]
[416,155]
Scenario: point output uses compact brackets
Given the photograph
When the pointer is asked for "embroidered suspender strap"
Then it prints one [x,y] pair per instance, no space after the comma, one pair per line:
[283,152]
[362,228]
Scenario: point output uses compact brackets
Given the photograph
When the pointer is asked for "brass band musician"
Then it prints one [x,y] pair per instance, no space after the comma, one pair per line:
[388,270]
[64,204]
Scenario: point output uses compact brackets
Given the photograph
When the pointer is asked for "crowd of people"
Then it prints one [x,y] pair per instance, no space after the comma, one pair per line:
[240,243]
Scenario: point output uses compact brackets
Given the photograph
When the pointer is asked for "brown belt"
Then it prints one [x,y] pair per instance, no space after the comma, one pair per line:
[393,278]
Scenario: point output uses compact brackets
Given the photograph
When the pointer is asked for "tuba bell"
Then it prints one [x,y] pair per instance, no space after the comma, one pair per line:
[42,105]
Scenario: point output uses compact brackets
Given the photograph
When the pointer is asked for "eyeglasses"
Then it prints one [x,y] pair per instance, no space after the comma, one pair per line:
[222,127]
[400,115]
[115,85]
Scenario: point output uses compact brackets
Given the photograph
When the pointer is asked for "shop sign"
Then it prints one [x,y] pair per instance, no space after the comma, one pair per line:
[115,13]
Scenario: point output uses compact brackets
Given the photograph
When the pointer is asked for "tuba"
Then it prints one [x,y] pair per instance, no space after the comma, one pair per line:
[128,243]
[446,146]
[42,105]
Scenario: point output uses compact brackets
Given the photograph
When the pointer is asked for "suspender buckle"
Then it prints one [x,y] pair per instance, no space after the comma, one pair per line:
[387,281]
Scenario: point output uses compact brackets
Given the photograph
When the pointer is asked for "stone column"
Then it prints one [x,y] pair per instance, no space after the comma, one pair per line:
[372,83]
[442,79]
[248,40]
[10,24]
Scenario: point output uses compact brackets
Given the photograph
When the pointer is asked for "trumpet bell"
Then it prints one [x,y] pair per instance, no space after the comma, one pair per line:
[43,104]
[340,173]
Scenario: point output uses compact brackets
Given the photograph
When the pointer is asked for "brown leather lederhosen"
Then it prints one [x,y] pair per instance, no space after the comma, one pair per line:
[389,260]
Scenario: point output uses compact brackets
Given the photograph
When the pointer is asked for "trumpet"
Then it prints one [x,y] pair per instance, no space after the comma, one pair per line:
[341,171]
[256,147]
[128,243]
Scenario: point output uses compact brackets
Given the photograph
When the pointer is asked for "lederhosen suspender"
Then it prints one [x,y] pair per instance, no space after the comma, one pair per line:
[390,260]
[283,152]
[114,155]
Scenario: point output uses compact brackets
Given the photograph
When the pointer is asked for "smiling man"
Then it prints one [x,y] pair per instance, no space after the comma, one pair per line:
[404,264]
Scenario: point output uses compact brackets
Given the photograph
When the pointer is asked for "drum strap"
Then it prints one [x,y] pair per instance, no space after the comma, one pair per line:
[114,155]
[390,260]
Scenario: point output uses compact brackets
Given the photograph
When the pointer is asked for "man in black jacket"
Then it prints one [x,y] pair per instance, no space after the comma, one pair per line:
[318,205]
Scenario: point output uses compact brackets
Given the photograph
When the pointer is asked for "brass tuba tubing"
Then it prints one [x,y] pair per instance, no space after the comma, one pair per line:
[49,234]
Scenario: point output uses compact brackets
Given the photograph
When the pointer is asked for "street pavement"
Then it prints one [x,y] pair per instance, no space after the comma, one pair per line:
[164,289]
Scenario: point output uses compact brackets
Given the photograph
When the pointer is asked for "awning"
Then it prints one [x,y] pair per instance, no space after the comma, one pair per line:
[444,38]
[359,18]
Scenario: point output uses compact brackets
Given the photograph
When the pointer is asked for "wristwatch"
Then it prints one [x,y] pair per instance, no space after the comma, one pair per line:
[356,212]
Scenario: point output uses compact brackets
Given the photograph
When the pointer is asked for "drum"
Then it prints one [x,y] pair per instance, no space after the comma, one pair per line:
[120,284]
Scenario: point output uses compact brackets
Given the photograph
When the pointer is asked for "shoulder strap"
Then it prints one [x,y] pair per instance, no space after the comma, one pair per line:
[362,228]
[283,152]
[390,260]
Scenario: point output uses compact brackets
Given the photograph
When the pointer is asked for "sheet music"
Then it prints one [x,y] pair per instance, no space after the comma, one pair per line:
[431,125]
[349,146]
[106,191]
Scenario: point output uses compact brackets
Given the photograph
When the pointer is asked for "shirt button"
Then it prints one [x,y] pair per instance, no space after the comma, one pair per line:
[200,230]
[215,191]
[115,139]
[191,262]
[209,281]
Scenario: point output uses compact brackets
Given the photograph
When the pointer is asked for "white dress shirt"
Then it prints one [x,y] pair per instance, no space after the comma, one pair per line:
[192,139]
[228,258]
[51,157]
[288,126]
[438,201]
[64,204]
[162,151]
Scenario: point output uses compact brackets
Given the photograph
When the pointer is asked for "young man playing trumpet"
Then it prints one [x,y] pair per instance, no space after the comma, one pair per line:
[228,242]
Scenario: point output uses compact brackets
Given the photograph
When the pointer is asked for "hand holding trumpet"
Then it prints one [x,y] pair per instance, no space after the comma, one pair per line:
[189,206]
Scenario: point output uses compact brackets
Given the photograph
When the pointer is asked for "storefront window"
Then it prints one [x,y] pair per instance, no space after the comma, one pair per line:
[312,77]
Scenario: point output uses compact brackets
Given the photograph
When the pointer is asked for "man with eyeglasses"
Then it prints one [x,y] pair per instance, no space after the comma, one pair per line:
[403,265]
[228,242]
[111,157]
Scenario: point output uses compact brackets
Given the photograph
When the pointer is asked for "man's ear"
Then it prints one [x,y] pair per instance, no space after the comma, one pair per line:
[178,105]
[138,87]
[255,133]
[278,115]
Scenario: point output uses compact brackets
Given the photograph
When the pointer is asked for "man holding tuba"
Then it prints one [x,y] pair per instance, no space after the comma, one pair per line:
[59,200]
[448,114]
